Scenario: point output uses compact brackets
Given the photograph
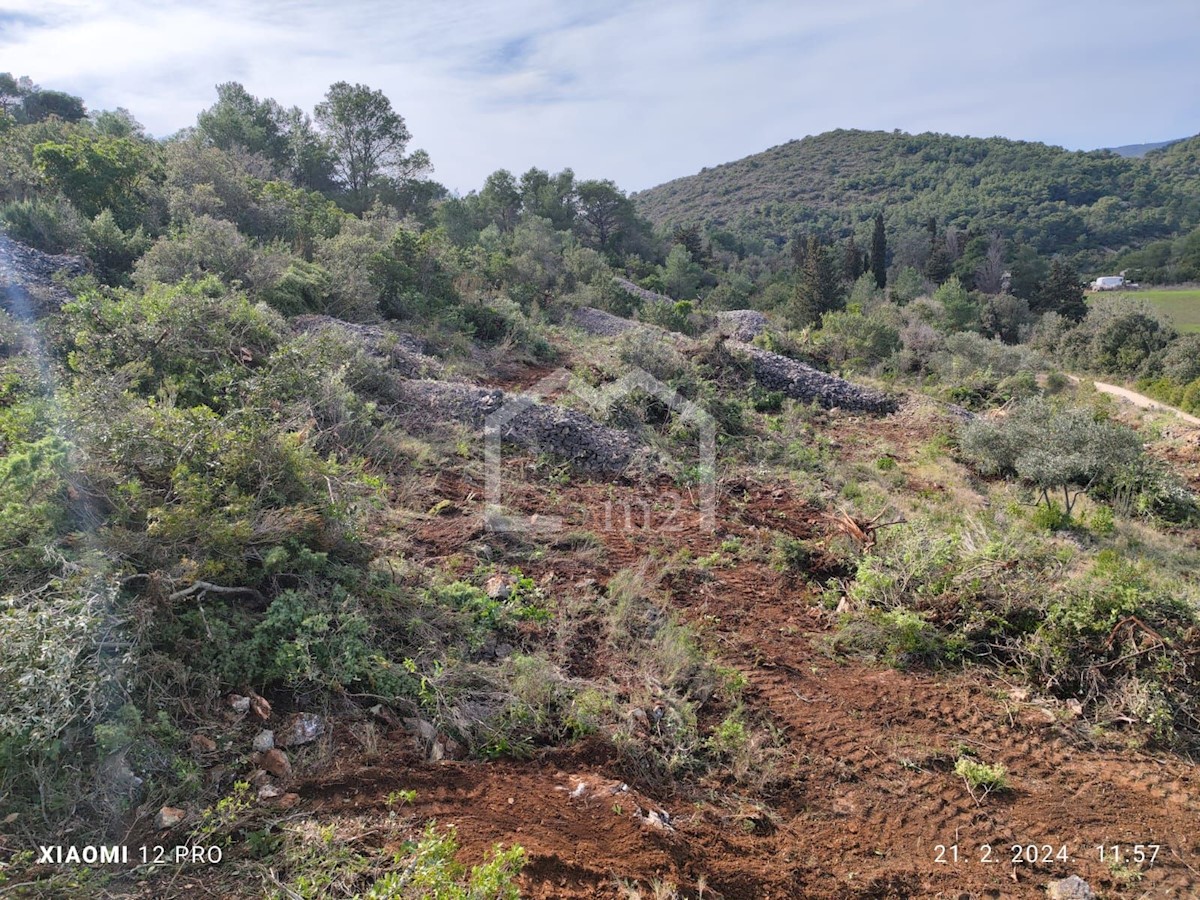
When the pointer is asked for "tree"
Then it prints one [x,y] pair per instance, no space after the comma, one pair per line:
[1005,317]
[962,313]
[500,200]
[879,252]
[989,273]
[604,210]
[96,172]
[681,275]
[817,290]
[852,261]
[239,119]
[908,286]
[1067,450]
[547,196]
[368,139]
[1062,292]
[40,105]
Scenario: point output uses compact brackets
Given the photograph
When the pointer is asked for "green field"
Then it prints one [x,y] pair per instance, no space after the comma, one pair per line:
[1183,306]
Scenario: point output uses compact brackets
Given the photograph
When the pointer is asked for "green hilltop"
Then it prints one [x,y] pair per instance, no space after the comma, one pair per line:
[1088,205]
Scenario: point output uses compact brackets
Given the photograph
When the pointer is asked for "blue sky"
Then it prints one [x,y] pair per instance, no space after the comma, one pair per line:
[634,90]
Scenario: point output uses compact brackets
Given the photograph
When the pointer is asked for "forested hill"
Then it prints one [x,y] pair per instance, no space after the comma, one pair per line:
[1084,204]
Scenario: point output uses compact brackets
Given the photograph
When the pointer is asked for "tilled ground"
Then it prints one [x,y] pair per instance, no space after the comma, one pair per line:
[870,795]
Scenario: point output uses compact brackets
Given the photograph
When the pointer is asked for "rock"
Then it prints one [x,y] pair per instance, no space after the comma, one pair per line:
[600,323]
[402,353]
[287,801]
[431,742]
[800,382]
[202,744]
[276,762]
[264,741]
[239,703]
[260,777]
[518,420]
[424,731]
[29,276]
[302,728]
[642,293]
[259,706]
[269,791]
[499,587]
[658,818]
[1073,888]
[169,817]
[742,324]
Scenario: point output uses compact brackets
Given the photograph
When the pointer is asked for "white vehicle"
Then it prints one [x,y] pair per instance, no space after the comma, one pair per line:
[1108,283]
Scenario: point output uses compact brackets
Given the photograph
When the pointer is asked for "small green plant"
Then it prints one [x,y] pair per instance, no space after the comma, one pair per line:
[401,797]
[765,401]
[981,777]
[1051,517]
[429,869]
[728,738]
[885,463]
[218,822]
[1100,521]
[792,555]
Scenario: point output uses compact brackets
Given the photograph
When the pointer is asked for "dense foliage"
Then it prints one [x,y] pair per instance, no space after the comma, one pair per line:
[1083,205]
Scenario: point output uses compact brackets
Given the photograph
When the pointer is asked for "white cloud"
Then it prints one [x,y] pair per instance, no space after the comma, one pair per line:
[636,91]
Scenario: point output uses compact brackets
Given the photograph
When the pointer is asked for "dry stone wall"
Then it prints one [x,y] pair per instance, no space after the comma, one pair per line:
[521,421]
[801,382]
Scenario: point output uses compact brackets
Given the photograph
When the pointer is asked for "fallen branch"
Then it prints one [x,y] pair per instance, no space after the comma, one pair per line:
[205,587]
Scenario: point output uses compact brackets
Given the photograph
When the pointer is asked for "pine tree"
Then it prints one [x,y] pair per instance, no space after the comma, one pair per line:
[1062,292]
[879,253]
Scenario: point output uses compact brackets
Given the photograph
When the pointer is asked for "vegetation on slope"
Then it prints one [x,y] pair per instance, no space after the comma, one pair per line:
[1084,205]
[212,480]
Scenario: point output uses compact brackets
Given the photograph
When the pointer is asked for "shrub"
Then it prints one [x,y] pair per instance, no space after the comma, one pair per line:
[430,870]
[1051,449]
[981,776]
[898,637]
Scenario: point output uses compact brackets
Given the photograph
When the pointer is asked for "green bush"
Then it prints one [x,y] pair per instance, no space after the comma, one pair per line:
[1051,517]
[898,637]
[429,870]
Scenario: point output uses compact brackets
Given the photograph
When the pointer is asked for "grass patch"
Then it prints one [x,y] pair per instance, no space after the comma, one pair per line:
[1181,305]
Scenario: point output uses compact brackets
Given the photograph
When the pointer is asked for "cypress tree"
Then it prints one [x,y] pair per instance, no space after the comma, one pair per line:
[851,261]
[817,287]
[879,253]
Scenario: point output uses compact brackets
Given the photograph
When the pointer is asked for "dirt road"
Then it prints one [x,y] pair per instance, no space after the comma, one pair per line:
[1140,400]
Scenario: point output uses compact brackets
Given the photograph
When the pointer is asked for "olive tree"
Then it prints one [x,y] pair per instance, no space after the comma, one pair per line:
[1067,450]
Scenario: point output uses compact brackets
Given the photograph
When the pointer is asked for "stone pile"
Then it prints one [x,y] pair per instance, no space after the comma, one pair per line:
[27,287]
[640,292]
[522,421]
[742,324]
[602,324]
[801,382]
[405,354]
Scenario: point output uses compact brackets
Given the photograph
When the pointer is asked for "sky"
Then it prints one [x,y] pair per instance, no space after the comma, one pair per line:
[640,91]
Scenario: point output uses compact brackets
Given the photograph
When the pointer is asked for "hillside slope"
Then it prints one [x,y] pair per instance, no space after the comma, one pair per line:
[1083,203]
